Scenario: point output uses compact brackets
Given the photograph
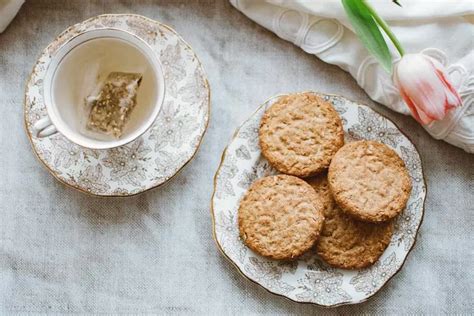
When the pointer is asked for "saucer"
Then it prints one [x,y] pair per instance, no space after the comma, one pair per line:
[309,279]
[159,153]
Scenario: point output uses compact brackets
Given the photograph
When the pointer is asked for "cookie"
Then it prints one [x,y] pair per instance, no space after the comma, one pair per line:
[280,217]
[300,133]
[369,181]
[344,241]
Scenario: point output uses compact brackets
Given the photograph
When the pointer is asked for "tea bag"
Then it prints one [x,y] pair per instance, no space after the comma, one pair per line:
[111,108]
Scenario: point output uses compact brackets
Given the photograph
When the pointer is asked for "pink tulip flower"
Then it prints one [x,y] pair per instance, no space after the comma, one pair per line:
[425,87]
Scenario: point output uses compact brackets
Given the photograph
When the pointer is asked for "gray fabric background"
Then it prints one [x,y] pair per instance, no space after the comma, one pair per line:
[63,251]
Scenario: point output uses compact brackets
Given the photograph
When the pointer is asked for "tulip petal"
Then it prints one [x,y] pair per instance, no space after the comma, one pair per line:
[425,119]
[452,97]
[420,116]
[425,88]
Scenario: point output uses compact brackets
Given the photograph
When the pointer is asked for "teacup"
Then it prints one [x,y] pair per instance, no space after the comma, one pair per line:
[74,73]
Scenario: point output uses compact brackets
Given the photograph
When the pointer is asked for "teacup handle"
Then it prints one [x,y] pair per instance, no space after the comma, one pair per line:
[44,128]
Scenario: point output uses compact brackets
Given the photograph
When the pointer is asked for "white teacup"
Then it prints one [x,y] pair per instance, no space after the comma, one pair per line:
[74,73]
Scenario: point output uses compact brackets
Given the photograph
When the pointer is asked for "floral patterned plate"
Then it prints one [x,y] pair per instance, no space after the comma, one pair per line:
[157,155]
[310,280]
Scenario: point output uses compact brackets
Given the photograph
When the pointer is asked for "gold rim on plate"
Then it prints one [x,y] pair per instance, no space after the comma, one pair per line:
[221,250]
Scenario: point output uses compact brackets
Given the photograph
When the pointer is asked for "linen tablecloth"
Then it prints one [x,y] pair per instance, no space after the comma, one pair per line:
[63,251]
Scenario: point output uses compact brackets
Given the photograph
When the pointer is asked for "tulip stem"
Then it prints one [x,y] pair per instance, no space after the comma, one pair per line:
[386,28]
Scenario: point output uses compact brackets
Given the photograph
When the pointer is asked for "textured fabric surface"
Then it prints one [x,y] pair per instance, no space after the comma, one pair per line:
[63,251]
[8,10]
[436,30]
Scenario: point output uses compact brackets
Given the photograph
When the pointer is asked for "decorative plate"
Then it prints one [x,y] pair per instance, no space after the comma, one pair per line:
[158,154]
[309,279]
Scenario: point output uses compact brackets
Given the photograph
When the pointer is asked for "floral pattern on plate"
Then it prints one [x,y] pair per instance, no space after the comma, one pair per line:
[158,154]
[309,279]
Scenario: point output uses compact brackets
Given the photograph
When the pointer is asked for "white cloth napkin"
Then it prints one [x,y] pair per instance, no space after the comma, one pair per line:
[441,29]
[8,10]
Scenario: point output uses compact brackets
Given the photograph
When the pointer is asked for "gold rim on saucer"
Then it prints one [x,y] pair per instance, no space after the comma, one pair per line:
[161,152]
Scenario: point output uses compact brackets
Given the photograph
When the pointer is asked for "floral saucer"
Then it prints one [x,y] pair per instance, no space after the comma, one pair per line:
[157,155]
[309,279]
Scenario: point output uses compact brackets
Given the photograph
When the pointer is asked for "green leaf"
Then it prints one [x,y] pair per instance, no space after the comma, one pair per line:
[368,31]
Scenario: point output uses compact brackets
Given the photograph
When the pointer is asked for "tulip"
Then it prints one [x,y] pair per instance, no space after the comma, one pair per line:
[422,81]
[425,87]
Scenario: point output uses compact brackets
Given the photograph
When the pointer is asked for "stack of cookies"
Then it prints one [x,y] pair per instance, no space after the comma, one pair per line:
[345,206]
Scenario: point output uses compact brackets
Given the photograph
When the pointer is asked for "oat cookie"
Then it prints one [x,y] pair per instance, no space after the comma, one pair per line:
[300,133]
[369,181]
[280,217]
[344,241]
